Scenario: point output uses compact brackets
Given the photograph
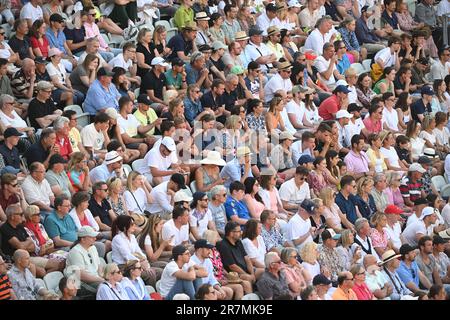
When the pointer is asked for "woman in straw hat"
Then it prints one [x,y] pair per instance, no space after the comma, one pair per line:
[207,176]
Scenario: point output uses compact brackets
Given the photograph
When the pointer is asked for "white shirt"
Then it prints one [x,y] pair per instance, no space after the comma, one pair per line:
[287,123]
[254,52]
[155,159]
[297,109]
[274,84]
[394,234]
[443,8]
[410,232]
[390,118]
[351,129]
[322,65]
[291,193]
[87,260]
[446,215]
[168,278]
[207,264]
[119,61]
[180,235]
[447,167]
[442,136]
[89,217]
[263,22]
[386,56]
[296,149]
[296,228]
[391,155]
[37,192]
[201,225]
[365,244]
[5,53]
[138,203]
[106,292]
[16,122]
[161,200]
[316,40]
[123,249]
[254,252]
[58,71]
[352,95]
[129,125]
[91,137]
[30,12]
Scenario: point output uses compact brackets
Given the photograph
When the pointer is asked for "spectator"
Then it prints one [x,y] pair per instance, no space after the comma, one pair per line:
[183,44]
[321,35]
[83,76]
[6,293]
[37,190]
[111,289]
[360,287]
[150,241]
[420,227]
[111,167]
[363,240]
[387,57]
[258,51]
[57,177]
[329,256]
[379,197]
[20,43]
[42,110]
[95,137]
[200,218]
[101,94]
[162,196]
[422,107]
[412,185]
[9,150]
[132,281]
[331,105]
[67,288]
[368,39]
[273,284]
[356,160]
[295,190]
[270,233]
[426,264]
[391,263]
[299,230]
[408,271]
[176,230]
[344,290]
[439,69]
[78,172]
[231,24]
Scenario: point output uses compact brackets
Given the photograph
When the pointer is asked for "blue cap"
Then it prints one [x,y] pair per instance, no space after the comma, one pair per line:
[427,90]
[306,158]
[9,169]
[308,206]
[341,88]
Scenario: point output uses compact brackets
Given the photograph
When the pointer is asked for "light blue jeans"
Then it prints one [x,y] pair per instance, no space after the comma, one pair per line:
[185,286]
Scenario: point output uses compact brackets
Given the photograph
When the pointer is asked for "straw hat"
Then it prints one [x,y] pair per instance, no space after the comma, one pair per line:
[233,277]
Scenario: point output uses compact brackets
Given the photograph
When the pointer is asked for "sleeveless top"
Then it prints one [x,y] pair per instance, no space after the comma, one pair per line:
[118,207]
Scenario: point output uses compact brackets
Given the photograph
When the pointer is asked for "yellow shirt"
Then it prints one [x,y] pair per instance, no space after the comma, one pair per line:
[277,49]
[339,294]
[74,138]
[146,119]
[378,163]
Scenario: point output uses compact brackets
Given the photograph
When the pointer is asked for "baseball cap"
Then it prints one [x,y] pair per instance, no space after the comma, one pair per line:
[143,98]
[419,201]
[202,243]
[11,132]
[424,160]
[54,52]
[9,169]
[181,196]
[405,249]
[56,17]
[237,70]
[169,143]
[427,90]
[112,113]
[86,231]
[56,158]
[40,60]
[177,62]
[294,3]
[427,211]
[104,72]
[393,209]
[321,279]
[341,88]
[308,206]
[159,61]
[216,45]
[330,234]
[439,240]
[255,31]
[178,178]
[416,167]
[112,157]
[271,7]
[306,158]
[364,9]
[343,114]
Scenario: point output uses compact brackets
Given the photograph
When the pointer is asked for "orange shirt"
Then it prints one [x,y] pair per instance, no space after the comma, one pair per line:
[339,294]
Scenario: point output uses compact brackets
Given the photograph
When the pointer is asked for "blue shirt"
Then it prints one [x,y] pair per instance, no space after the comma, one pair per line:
[192,75]
[349,38]
[64,228]
[343,64]
[98,98]
[234,207]
[348,207]
[56,41]
[408,275]
[233,171]
[363,33]
[192,109]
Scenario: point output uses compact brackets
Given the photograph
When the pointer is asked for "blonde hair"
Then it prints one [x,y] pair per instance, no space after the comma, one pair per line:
[113,183]
[75,158]
[232,122]
[345,237]
[391,176]
[31,210]
[317,202]
[308,253]
[169,95]
[326,195]
[109,268]
[364,181]
[376,218]
[131,177]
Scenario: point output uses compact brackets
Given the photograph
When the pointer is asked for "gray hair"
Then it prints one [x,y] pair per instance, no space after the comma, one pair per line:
[59,123]
[196,56]
[4,98]
[378,177]
[359,224]
[286,253]
[12,210]
[269,258]
[322,20]
[230,77]
[327,45]
[90,41]
[367,259]
[19,254]
[108,269]
[216,190]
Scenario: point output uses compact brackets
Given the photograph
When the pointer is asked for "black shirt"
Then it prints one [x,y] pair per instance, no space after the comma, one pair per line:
[152,82]
[148,56]
[229,98]
[38,109]
[208,101]
[36,152]
[178,43]
[232,254]
[403,154]
[10,157]
[20,46]
[8,232]
[419,107]
[77,36]
[101,211]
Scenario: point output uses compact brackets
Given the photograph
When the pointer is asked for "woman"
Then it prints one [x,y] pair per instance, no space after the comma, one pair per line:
[288,45]
[85,73]
[437,292]
[144,54]
[255,117]
[132,282]
[240,287]
[253,243]
[386,83]
[311,117]
[309,255]
[58,75]
[296,275]
[137,196]
[245,18]
[442,133]
[176,109]
[364,89]
[374,154]
[417,143]
[121,82]
[364,199]
[125,248]
[215,27]
[334,217]
[428,125]
[274,121]
[116,198]
[441,102]
[270,196]
[78,172]
[390,155]
[359,283]
[393,193]
[206,292]
[318,177]
[378,235]
[80,213]
[345,249]
[390,116]
[158,46]
[281,156]
[38,40]
[111,289]
[252,199]
[207,175]
[402,106]
[309,293]
[5,50]
[317,219]
[150,241]
[334,175]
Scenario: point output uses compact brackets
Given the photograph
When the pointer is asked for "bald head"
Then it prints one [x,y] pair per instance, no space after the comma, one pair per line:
[28,66]
[369,260]
[20,254]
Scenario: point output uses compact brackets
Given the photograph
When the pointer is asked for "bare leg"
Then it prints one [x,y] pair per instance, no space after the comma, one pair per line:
[110,26]
[67,97]
[142,149]
[237,289]
[54,265]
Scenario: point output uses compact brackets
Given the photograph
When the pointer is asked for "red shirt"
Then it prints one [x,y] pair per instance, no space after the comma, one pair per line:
[65,148]
[371,126]
[329,106]
[85,221]
[362,291]
[44,46]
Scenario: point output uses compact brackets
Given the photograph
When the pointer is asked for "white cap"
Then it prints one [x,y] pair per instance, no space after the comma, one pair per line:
[158,61]
[343,114]
[87,231]
[427,211]
[294,3]
[112,113]
[416,167]
[112,157]
[341,82]
[181,196]
[169,143]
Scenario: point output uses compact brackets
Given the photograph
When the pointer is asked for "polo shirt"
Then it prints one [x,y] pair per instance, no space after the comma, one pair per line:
[178,43]
[146,119]
[357,163]
[339,294]
[183,15]
[65,147]
[291,193]
[271,287]
[56,41]
[152,82]
[87,260]
[20,46]
[101,210]
[347,206]
[208,101]
[8,232]
[234,207]
[64,228]
[232,254]
[229,99]
[180,235]
[36,153]
[97,98]
[39,109]
[418,107]
[411,190]
[329,106]
[176,81]
[274,84]
[10,156]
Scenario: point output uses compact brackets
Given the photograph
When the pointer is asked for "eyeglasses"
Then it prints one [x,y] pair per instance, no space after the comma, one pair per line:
[197,91]
[206,199]
[351,279]
[242,111]
[137,268]
[236,231]
[106,190]
[302,178]
[361,273]
[287,71]
[91,14]
[293,256]
[18,213]
[117,271]
[2,33]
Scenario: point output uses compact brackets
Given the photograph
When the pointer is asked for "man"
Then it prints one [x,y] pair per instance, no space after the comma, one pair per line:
[95,136]
[393,227]
[299,229]
[235,208]
[67,288]
[345,199]
[176,77]
[422,227]
[31,12]
[20,43]
[295,108]
[273,239]
[304,147]
[322,285]
[308,16]
[422,107]
[267,18]
[366,37]
[183,44]
[154,83]
[254,80]
[100,208]
[380,198]
[321,35]
[419,69]
[177,229]
[5,82]
[111,167]
[331,105]
[234,94]
[355,125]
[295,190]
[127,61]
[390,264]
[439,257]
[280,81]
[201,258]
[200,218]
[42,110]
[203,34]
[402,82]
[232,57]
[323,139]
[217,208]
[325,64]
[344,290]
[37,190]
[230,25]
[9,150]
[42,150]
[242,39]
[6,290]
[375,280]
[102,94]
[23,282]
[419,205]
[57,39]
[328,255]
[213,100]
[387,57]
[234,257]
[163,195]
[146,115]
[409,271]
[343,118]
[426,264]
[11,192]
[362,239]
[84,258]
[61,127]
[237,169]
[425,13]
[273,285]
[439,69]
[93,47]
[60,226]
[257,51]
[411,187]
[57,177]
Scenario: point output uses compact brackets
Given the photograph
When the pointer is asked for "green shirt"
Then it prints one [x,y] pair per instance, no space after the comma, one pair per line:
[183,15]
[376,88]
[146,119]
[64,228]
[174,82]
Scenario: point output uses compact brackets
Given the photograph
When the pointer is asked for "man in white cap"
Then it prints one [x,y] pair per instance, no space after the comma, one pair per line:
[154,83]
[111,167]
[239,168]
[343,117]
[161,162]
[422,227]
[183,199]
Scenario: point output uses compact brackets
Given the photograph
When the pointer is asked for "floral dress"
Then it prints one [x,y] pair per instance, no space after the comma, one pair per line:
[379,239]
[217,265]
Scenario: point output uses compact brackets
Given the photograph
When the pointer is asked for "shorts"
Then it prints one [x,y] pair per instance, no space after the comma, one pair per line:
[39,261]
[133,146]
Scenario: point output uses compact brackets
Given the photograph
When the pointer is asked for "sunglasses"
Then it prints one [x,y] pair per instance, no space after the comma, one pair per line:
[117,271]
[137,268]
[14,185]
[2,33]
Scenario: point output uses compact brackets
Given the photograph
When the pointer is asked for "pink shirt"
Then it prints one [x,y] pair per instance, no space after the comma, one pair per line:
[357,163]
[371,126]
[394,197]
[273,201]
[94,31]
[379,239]
[362,291]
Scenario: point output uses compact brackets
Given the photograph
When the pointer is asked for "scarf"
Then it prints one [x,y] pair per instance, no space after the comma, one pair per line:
[37,232]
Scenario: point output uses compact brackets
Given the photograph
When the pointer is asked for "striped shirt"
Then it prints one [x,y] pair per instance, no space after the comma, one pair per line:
[411,189]
[5,287]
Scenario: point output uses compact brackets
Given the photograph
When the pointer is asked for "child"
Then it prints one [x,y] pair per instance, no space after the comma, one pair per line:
[403,149]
